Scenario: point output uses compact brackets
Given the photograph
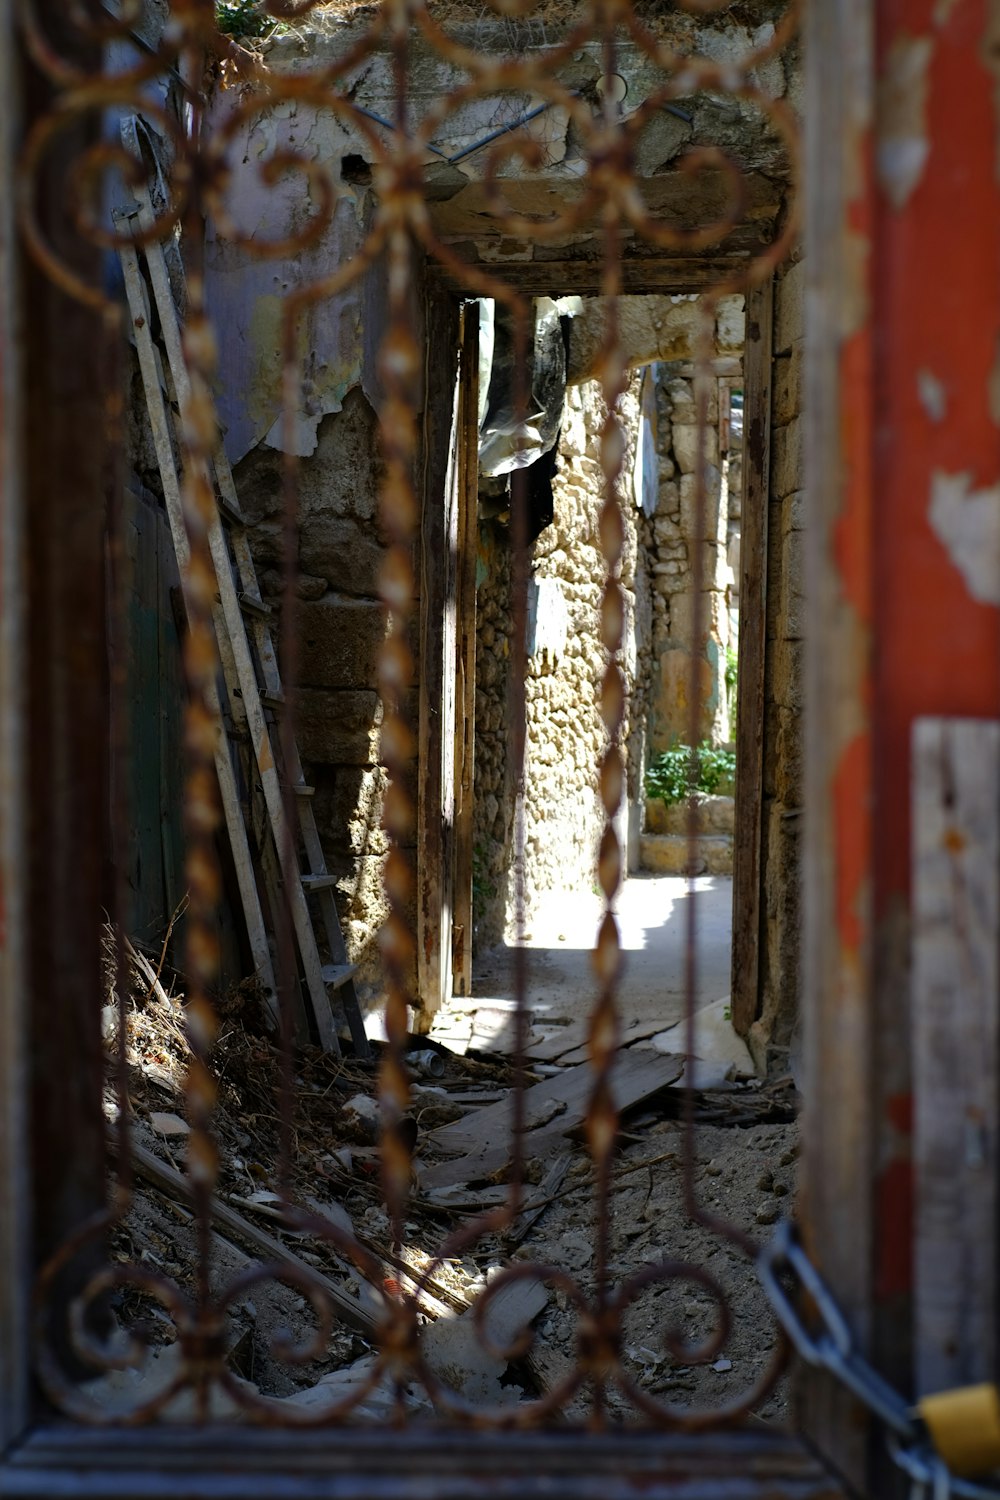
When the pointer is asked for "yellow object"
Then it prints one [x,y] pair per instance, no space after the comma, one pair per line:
[964,1426]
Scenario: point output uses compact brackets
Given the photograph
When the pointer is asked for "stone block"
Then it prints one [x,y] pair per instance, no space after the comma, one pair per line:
[791,614]
[341,478]
[730,323]
[786,459]
[712,608]
[672,697]
[339,642]
[343,551]
[670,854]
[338,728]
[788,768]
[715,815]
[348,805]
[715,518]
[686,448]
[787,684]
[789,318]
[793,517]
[786,387]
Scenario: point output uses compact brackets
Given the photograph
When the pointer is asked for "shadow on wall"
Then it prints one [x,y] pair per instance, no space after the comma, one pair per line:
[341,626]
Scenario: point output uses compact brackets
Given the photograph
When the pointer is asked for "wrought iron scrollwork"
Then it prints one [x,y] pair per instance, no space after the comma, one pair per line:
[401,231]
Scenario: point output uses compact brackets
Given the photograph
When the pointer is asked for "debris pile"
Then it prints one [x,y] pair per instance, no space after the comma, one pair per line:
[461,1112]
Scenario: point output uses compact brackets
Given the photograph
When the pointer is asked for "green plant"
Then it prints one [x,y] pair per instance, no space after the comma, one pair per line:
[679,770]
[732,665]
[243,18]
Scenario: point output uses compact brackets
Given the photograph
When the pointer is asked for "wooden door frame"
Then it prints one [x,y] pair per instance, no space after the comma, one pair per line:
[465,650]
[752,658]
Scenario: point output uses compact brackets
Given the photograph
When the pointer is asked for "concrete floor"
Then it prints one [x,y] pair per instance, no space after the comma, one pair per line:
[652,913]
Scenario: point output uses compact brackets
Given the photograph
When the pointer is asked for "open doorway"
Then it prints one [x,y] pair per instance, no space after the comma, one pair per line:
[563,818]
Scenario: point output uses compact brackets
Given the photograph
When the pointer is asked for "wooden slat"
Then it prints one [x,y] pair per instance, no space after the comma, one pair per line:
[273,696]
[752,653]
[246,672]
[178,1187]
[160,427]
[956,987]
[438,537]
[465,715]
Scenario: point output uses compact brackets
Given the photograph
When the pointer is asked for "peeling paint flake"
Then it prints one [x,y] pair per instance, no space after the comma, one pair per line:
[933,396]
[967,523]
[903,145]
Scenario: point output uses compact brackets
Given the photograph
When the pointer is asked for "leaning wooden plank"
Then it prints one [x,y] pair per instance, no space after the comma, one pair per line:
[956,980]
[229,793]
[564,1100]
[232,616]
[175,1185]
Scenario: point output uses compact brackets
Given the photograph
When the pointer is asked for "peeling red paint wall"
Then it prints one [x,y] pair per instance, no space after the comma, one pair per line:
[918,400]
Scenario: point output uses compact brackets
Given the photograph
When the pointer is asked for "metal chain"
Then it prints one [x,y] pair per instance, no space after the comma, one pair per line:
[831,1347]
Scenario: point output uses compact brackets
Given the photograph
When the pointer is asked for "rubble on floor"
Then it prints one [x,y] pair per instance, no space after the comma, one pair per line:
[744,1153]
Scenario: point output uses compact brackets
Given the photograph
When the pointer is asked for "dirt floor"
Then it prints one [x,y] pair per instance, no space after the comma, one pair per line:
[745,1153]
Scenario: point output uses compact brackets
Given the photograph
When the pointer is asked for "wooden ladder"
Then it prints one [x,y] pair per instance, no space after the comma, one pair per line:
[249,667]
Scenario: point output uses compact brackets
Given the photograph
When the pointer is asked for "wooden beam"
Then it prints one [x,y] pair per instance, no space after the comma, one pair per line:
[178,1187]
[413,1465]
[438,558]
[679,275]
[14,969]
[747,894]
[956,987]
[465,716]
[72,384]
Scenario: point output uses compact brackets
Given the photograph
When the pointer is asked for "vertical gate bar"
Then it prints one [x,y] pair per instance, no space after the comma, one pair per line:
[14,1286]
[837,983]
[745,985]
[66,874]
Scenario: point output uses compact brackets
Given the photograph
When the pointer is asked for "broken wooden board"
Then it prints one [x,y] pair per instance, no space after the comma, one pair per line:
[468,1356]
[175,1185]
[563,1100]
[570,1044]
[956,1030]
[490,1162]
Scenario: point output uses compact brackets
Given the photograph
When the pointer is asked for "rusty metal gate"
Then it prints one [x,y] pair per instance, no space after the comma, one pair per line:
[81,69]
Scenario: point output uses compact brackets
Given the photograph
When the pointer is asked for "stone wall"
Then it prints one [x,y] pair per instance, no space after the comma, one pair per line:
[493,816]
[771,1035]
[341,624]
[565,736]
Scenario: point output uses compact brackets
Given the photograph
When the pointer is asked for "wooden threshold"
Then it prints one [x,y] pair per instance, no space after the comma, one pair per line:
[237,1463]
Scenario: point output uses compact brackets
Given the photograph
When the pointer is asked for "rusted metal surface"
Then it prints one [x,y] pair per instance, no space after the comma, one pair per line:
[400,236]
